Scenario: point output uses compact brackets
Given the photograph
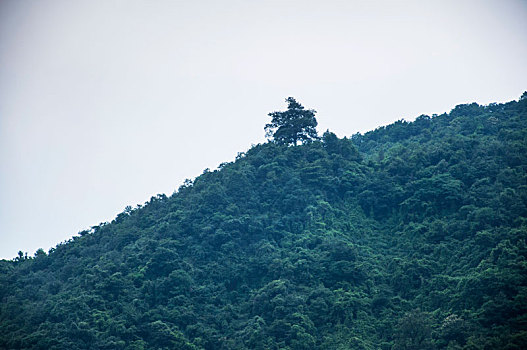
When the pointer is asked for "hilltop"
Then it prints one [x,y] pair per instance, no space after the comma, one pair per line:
[411,236]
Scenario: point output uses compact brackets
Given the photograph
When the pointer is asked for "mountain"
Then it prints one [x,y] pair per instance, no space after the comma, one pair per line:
[411,236]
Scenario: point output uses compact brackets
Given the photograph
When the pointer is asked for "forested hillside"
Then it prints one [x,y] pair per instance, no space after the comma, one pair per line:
[411,236]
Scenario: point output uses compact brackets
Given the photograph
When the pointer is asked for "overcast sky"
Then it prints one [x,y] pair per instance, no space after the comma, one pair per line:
[106,103]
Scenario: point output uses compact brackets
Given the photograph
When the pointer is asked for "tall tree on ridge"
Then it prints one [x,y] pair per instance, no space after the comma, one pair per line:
[295,124]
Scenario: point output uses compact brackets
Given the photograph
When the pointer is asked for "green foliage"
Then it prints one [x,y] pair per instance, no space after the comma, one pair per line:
[412,236]
[295,124]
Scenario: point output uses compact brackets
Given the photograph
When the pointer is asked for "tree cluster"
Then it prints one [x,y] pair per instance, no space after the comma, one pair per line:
[411,236]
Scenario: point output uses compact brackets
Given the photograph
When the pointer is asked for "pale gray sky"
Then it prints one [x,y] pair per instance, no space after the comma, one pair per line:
[106,103]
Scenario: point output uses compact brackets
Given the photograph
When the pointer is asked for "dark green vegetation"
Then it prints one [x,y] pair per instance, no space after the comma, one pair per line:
[295,124]
[412,236]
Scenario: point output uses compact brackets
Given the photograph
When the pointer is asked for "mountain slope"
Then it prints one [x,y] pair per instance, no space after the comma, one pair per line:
[412,236]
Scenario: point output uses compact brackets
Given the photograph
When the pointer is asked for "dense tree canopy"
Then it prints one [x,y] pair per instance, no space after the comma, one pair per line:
[294,125]
[411,236]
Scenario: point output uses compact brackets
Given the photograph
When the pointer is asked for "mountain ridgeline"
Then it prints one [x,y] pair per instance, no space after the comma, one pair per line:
[411,236]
